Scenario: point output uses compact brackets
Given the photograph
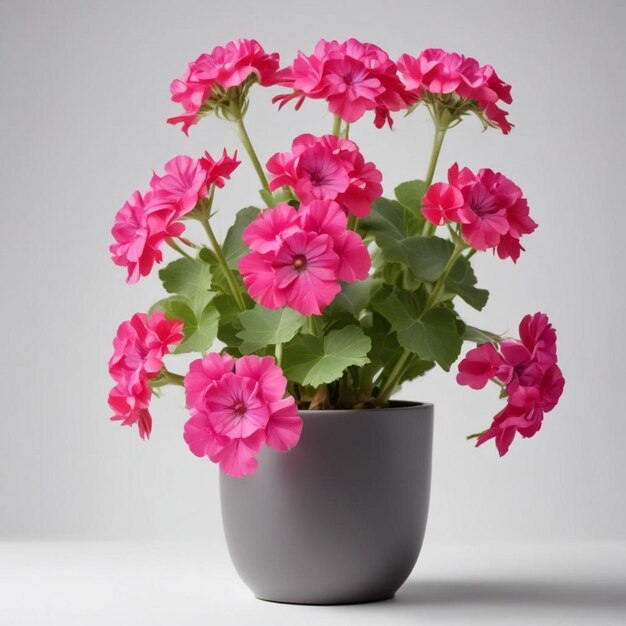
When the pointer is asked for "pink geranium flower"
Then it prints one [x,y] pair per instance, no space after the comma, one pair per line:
[206,84]
[138,350]
[435,73]
[442,203]
[327,168]
[236,406]
[493,215]
[145,222]
[528,371]
[353,77]
[298,258]
[141,226]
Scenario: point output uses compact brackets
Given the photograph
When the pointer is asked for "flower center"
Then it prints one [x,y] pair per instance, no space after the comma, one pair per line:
[299,262]
[240,408]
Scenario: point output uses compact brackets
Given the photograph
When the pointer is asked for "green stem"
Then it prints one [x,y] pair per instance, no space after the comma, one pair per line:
[228,273]
[278,353]
[165,377]
[353,223]
[172,244]
[441,281]
[475,435]
[337,126]
[247,145]
[394,377]
[440,134]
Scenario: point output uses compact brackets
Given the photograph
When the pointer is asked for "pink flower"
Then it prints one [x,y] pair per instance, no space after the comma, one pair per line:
[494,214]
[327,168]
[145,222]
[184,183]
[442,204]
[435,73]
[235,408]
[533,382]
[353,77]
[298,258]
[479,366]
[141,226]
[217,171]
[216,79]
[138,349]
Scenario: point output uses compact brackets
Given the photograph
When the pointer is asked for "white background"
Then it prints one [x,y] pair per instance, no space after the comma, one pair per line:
[83,102]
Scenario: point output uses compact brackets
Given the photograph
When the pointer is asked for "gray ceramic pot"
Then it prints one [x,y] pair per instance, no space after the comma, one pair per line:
[341,517]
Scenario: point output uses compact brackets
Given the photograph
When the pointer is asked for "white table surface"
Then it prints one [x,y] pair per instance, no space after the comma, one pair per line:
[157,584]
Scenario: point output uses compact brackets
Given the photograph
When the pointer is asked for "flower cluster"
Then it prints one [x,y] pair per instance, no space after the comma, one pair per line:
[490,208]
[138,351]
[236,407]
[353,77]
[457,84]
[219,81]
[299,257]
[527,369]
[327,168]
[146,221]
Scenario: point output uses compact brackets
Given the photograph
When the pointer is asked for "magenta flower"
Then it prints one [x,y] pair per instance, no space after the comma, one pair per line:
[138,350]
[353,77]
[235,408]
[489,207]
[216,79]
[527,370]
[298,258]
[145,222]
[436,74]
[442,203]
[327,168]
[495,214]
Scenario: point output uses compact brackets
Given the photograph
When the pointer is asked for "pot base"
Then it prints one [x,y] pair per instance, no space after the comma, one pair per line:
[347,602]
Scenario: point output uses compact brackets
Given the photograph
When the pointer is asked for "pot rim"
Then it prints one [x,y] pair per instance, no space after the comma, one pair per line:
[394,406]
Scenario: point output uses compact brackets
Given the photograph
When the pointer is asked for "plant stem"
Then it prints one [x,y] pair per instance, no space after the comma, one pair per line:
[441,281]
[476,435]
[440,134]
[396,373]
[278,353]
[353,222]
[337,126]
[172,244]
[247,145]
[165,377]
[228,273]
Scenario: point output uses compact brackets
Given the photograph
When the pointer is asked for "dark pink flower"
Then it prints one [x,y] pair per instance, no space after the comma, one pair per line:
[298,258]
[235,408]
[480,365]
[138,350]
[528,371]
[327,168]
[494,213]
[435,74]
[442,203]
[217,171]
[353,77]
[217,78]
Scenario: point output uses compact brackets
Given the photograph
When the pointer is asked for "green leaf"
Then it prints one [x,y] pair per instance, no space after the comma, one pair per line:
[476,335]
[433,335]
[234,247]
[185,277]
[353,297]
[389,222]
[462,281]
[199,316]
[312,360]
[263,327]
[425,256]
[394,228]
[410,194]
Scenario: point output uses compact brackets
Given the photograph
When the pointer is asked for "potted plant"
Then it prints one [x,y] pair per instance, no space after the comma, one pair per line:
[325,299]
